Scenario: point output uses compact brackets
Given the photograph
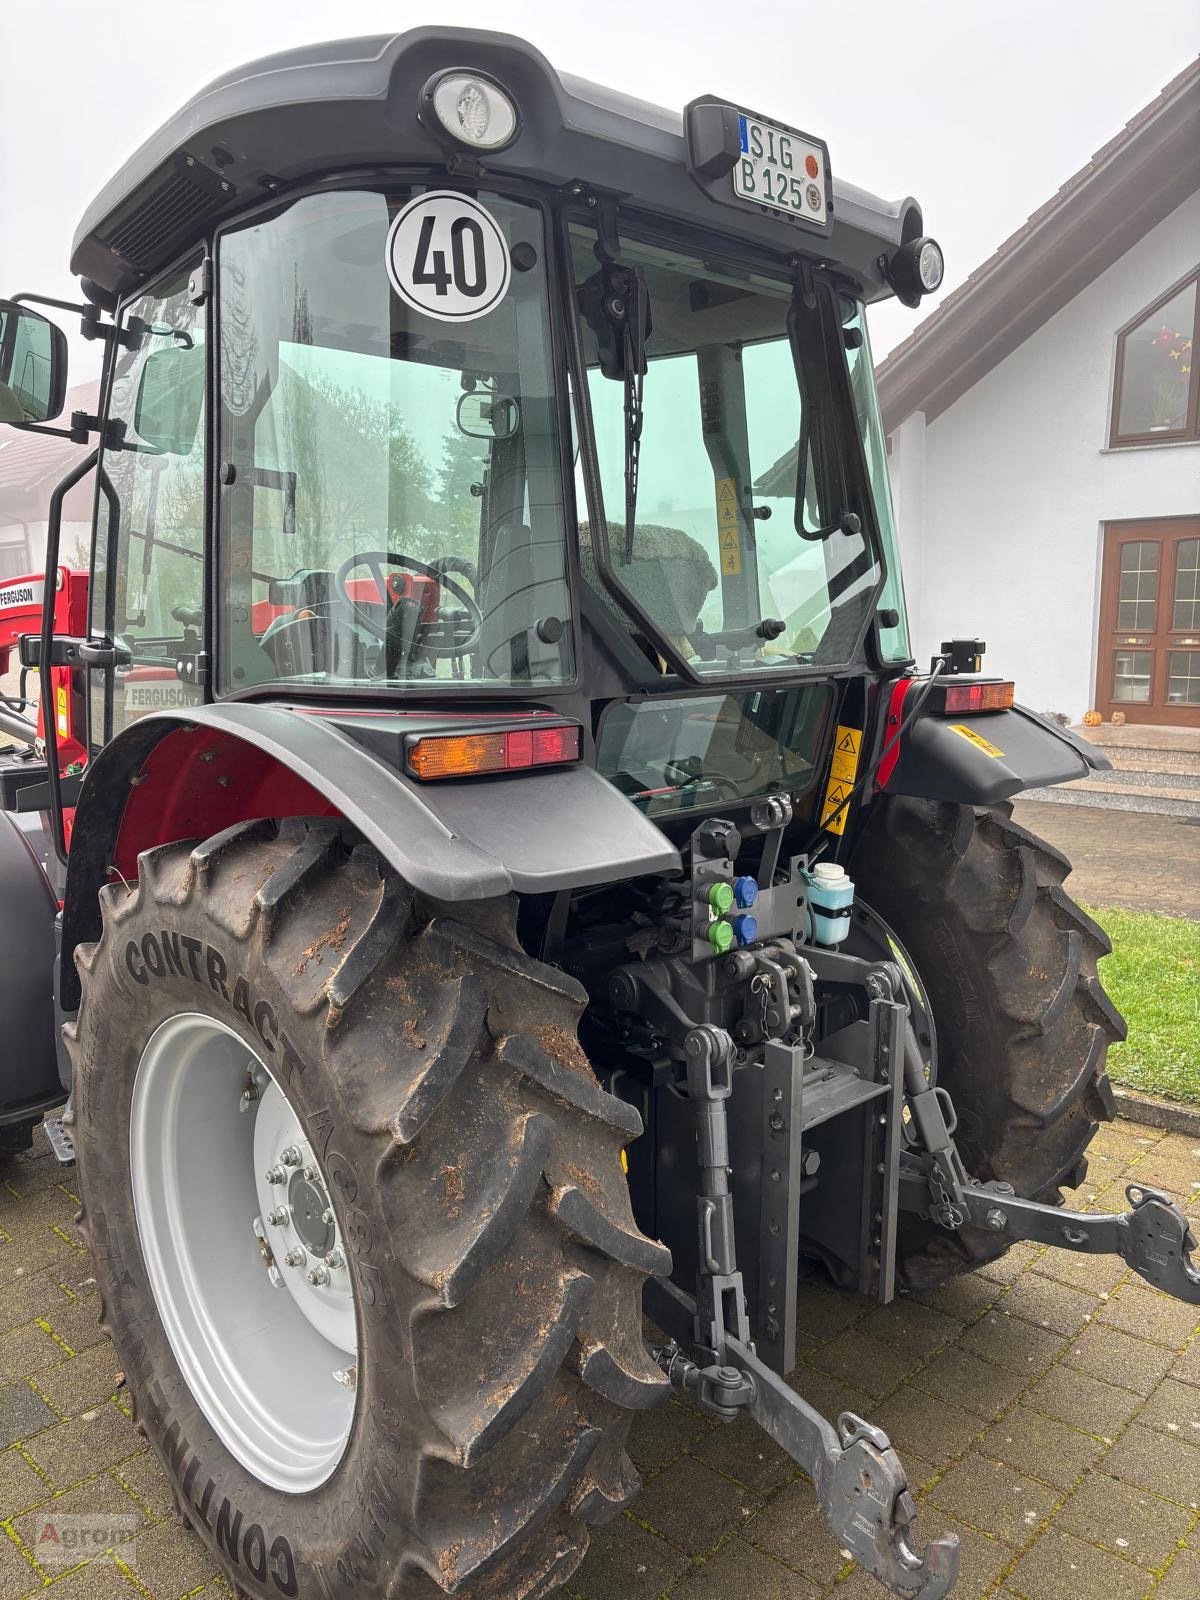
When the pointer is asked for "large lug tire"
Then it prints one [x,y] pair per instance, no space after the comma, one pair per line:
[1008,964]
[475,1167]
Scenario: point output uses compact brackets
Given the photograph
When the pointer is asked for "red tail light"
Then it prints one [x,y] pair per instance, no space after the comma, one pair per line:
[471,755]
[959,699]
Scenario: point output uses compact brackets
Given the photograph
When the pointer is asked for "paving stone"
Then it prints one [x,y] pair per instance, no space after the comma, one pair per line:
[77,1323]
[1186,1367]
[170,1561]
[1182,1581]
[31,1251]
[855,1358]
[936,1430]
[1173,1165]
[977,1385]
[26,1298]
[1012,1263]
[1094,1274]
[1043,1449]
[1047,1304]
[146,1481]
[81,1381]
[1013,1343]
[26,1351]
[1173,1408]
[907,1325]
[823,1313]
[20,1486]
[1083,1402]
[966,1297]
[99,1580]
[21,1413]
[693,1507]
[739,1569]
[827,1394]
[792,1528]
[1125,1520]
[97,1497]
[742,1450]
[1157,1461]
[18,1577]
[95,1439]
[623,1559]
[1116,1357]
[662,1435]
[992,1497]
[1149,1314]
[1060,1567]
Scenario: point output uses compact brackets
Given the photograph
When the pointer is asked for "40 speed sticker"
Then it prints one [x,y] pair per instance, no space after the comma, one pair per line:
[447,257]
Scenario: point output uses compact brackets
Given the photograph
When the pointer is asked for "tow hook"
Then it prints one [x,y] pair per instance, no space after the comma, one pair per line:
[860,1481]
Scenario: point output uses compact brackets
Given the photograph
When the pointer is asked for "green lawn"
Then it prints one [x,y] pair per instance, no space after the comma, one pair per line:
[1153,976]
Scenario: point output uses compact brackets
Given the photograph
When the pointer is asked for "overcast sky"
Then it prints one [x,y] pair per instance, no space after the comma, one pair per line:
[979,110]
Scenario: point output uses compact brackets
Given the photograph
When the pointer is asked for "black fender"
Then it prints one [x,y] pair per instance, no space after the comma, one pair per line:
[29,1082]
[983,759]
[526,833]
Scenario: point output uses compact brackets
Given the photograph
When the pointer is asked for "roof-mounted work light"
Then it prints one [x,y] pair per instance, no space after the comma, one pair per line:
[472,109]
[916,269]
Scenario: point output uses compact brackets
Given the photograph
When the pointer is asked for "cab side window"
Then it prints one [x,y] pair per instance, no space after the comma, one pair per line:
[148,586]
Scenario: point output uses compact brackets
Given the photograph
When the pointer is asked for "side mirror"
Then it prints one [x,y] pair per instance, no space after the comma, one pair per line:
[170,398]
[484,415]
[33,366]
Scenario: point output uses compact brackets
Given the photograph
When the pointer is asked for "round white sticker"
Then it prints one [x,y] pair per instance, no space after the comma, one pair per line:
[447,257]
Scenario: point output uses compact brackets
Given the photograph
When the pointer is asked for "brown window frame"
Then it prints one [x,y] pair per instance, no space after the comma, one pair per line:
[1190,431]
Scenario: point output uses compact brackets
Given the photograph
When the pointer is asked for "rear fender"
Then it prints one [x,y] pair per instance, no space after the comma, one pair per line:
[189,773]
[29,1082]
[981,760]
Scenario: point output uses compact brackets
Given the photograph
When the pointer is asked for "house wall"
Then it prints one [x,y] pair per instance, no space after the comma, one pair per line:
[1001,499]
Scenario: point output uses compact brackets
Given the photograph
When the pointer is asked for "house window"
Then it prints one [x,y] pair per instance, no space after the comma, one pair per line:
[1155,395]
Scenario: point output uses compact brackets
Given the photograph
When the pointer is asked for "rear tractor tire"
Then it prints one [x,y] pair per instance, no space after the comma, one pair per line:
[1008,963]
[418,1378]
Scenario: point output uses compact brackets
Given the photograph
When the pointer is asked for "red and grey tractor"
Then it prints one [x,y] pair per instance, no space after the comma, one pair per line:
[491,885]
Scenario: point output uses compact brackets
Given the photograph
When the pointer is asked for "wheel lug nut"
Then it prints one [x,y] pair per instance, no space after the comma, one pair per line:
[335,1259]
[311,1173]
[318,1275]
[328,1217]
[291,1157]
[279,1217]
[295,1257]
[276,1175]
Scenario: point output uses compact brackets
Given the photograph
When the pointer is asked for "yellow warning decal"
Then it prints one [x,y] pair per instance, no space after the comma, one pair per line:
[976,739]
[846,745]
[729,536]
[63,719]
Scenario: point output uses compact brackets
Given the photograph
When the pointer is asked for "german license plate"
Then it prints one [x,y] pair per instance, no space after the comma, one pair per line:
[781,169]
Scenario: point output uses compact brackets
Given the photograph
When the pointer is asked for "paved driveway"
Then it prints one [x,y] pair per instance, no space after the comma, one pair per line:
[1048,1410]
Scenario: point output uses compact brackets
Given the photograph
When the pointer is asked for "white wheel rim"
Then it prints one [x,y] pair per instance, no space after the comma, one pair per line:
[270,1356]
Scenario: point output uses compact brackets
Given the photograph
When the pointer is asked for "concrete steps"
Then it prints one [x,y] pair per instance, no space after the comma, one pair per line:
[1155,770]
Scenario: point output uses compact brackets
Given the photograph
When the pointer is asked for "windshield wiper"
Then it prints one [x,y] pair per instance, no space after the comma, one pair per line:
[622,328]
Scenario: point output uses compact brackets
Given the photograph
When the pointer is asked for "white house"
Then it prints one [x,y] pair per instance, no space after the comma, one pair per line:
[1044,442]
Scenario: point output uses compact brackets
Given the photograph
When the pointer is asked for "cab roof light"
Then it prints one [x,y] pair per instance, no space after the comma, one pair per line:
[472,755]
[959,699]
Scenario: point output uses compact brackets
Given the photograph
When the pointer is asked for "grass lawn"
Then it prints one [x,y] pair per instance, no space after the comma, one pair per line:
[1153,976]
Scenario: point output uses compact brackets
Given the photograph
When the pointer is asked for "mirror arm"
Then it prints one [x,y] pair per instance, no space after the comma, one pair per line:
[90,325]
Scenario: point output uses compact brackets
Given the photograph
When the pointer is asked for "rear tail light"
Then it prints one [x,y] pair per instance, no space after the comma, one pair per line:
[471,755]
[961,698]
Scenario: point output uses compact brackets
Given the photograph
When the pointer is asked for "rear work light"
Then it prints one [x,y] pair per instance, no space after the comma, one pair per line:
[471,755]
[960,698]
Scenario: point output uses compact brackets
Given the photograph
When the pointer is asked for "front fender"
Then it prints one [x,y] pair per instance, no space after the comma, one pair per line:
[190,773]
[981,760]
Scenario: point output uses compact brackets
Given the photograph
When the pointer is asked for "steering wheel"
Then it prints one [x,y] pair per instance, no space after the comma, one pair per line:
[375,561]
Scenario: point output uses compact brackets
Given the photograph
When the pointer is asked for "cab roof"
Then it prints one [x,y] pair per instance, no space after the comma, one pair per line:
[303,115]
